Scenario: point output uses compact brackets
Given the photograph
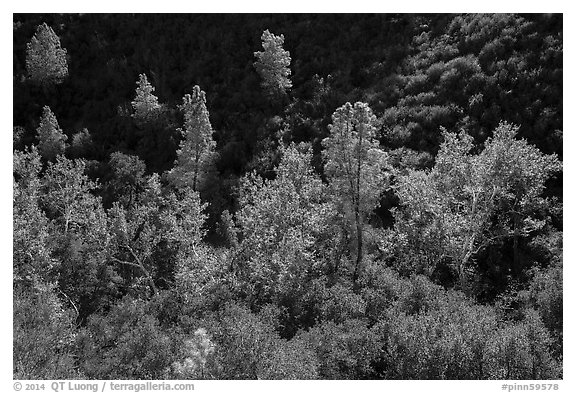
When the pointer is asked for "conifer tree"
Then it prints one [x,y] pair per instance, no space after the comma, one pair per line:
[145,103]
[196,154]
[45,58]
[355,165]
[51,139]
[273,64]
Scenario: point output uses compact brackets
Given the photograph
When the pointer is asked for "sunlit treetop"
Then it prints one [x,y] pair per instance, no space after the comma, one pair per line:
[45,58]
[145,103]
[273,64]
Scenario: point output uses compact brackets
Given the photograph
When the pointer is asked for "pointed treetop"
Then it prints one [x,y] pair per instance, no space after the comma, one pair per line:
[195,160]
[355,165]
[51,139]
[273,64]
[145,103]
[45,58]
[195,111]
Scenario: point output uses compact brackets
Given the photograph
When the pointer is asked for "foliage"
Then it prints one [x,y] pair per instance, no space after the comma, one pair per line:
[273,64]
[145,103]
[290,234]
[127,342]
[456,339]
[282,223]
[344,351]
[51,139]
[45,58]
[248,348]
[522,351]
[128,180]
[17,134]
[79,235]
[354,166]
[473,71]
[81,143]
[545,295]
[194,166]
[32,259]
[197,350]
[469,202]
[43,335]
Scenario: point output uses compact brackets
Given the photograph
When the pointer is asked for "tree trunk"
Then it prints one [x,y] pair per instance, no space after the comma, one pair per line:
[357,210]
[516,261]
[359,244]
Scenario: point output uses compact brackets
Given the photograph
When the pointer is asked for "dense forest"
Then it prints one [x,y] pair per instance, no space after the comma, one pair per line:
[287,196]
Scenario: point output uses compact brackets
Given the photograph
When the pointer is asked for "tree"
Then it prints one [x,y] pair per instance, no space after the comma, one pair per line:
[469,202]
[51,139]
[128,341]
[343,351]
[248,347]
[155,233]
[196,353]
[128,177]
[355,167]
[145,103]
[472,71]
[282,222]
[17,134]
[518,173]
[45,59]
[155,128]
[196,155]
[79,235]
[32,259]
[43,335]
[81,143]
[273,64]
[67,193]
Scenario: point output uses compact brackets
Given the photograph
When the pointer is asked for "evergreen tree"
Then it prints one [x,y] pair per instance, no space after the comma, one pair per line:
[273,64]
[354,166]
[51,139]
[145,103]
[45,58]
[195,161]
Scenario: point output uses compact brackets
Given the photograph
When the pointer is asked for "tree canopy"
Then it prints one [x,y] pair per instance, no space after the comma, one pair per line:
[365,196]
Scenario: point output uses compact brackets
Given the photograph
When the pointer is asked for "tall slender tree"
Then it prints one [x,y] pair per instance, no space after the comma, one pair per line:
[355,167]
[196,155]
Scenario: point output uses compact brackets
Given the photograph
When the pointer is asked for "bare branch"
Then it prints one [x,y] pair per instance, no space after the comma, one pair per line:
[141,267]
[71,302]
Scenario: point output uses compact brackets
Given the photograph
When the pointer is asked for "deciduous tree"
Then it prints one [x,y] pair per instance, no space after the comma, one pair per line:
[469,202]
[282,223]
